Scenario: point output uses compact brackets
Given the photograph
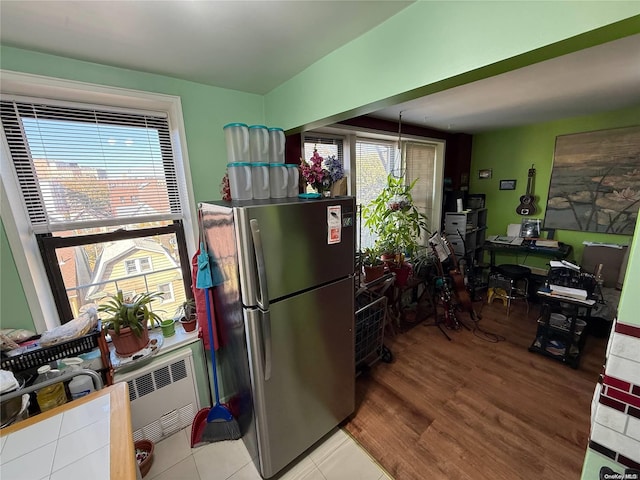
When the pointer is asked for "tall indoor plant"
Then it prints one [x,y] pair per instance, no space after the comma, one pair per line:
[395,221]
[127,320]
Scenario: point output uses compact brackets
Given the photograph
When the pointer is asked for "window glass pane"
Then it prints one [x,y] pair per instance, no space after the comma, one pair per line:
[145,264]
[167,292]
[91,272]
[130,267]
[374,161]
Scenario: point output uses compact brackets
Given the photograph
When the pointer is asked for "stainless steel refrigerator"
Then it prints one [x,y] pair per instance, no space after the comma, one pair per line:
[285,315]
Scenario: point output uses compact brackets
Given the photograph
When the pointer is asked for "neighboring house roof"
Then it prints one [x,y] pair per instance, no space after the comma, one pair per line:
[74,267]
[118,251]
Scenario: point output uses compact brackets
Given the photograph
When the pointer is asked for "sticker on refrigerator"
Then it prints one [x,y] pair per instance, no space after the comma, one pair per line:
[334,224]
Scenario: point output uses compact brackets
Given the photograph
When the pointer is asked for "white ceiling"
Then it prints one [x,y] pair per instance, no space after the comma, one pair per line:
[254,46]
[597,79]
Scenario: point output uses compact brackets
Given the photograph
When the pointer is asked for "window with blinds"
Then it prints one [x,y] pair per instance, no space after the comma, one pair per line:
[83,168]
[326,146]
[100,189]
[420,164]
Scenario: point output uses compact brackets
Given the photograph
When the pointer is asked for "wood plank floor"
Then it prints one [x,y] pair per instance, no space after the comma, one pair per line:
[474,409]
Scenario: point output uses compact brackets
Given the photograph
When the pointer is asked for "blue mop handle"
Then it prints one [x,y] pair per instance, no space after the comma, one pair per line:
[212,347]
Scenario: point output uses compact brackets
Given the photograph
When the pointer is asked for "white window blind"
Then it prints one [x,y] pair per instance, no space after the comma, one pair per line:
[420,159]
[326,146]
[82,168]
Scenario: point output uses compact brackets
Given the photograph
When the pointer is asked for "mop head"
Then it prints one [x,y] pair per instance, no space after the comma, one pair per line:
[219,430]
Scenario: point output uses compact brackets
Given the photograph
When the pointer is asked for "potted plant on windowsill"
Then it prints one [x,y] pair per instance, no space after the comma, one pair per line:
[372,265]
[397,223]
[186,315]
[127,320]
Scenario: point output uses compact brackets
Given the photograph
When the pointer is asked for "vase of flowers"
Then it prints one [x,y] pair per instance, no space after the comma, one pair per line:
[320,173]
[336,174]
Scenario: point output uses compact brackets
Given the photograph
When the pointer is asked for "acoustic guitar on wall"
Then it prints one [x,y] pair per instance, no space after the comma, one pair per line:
[527,206]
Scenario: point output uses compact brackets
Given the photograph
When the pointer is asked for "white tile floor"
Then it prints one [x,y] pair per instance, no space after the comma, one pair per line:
[339,457]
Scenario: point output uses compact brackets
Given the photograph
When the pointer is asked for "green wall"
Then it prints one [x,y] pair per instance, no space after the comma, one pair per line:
[14,312]
[510,154]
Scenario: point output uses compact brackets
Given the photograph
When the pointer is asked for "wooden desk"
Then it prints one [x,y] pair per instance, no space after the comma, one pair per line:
[527,248]
[88,438]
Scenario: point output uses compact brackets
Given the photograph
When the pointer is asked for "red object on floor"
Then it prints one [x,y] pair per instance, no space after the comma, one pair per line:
[197,427]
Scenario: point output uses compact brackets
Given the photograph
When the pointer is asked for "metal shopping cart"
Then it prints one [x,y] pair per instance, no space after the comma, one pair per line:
[370,320]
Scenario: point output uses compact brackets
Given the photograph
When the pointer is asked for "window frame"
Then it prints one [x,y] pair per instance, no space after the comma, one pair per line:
[25,247]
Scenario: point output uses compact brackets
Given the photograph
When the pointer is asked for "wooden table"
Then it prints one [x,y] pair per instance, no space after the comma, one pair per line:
[88,438]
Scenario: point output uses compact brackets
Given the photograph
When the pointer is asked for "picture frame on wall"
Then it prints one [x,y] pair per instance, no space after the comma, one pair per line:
[595,182]
[507,184]
[484,173]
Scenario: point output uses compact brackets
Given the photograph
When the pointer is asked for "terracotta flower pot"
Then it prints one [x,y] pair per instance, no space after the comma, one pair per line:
[372,273]
[189,324]
[127,343]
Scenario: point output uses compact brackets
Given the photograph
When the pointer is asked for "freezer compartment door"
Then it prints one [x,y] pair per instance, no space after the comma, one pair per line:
[300,244]
[311,387]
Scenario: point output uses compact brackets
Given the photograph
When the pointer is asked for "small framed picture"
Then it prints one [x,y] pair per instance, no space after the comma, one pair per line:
[507,184]
[484,173]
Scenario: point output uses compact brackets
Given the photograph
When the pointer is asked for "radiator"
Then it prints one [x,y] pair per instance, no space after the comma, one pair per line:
[163,395]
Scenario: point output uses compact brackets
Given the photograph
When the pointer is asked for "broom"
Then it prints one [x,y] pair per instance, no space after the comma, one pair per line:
[217,424]
[220,424]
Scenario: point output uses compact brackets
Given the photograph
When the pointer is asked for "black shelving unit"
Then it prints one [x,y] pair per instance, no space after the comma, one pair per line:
[562,342]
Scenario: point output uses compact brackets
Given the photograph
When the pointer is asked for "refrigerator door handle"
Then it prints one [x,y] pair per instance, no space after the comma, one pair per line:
[266,345]
[263,295]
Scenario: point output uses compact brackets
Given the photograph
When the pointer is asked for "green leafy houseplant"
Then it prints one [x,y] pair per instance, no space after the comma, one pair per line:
[186,310]
[127,318]
[395,220]
[371,257]
[134,313]
[372,265]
